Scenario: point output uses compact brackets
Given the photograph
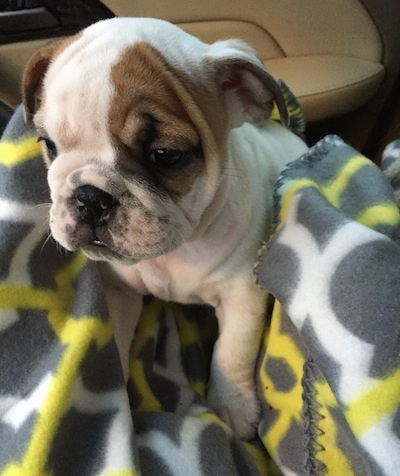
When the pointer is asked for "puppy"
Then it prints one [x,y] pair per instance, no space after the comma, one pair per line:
[162,162]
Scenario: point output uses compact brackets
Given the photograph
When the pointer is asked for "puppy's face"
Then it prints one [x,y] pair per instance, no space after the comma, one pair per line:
[134,117]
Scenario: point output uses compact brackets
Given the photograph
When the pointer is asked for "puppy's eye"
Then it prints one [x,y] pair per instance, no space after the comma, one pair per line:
[51,147]
[167,157]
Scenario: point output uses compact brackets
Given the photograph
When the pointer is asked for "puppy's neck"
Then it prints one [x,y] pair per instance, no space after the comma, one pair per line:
[235,199]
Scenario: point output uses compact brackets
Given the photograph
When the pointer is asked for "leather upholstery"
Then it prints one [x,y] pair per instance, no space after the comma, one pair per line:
[329,53]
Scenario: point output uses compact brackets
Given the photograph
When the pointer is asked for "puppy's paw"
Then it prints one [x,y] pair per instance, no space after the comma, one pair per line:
[239,409]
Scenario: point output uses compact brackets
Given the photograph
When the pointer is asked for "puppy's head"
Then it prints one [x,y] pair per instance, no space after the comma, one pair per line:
[134,116]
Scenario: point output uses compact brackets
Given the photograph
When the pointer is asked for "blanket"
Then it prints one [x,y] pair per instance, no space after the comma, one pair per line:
[328,374]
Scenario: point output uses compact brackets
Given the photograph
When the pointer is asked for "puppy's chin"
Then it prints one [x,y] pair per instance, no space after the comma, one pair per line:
[94,249]
[101,252]
[98,251]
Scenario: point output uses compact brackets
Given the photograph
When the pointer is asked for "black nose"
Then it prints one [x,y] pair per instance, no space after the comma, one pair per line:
[93,205]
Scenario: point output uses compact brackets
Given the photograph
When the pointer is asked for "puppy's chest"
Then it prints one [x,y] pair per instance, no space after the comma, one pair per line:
[168,280]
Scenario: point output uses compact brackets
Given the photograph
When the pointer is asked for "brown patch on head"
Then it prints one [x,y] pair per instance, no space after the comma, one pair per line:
[151,111]
[35,71]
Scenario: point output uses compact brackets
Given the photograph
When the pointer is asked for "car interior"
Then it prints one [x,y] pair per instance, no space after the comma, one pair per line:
[327,378]
[339,58]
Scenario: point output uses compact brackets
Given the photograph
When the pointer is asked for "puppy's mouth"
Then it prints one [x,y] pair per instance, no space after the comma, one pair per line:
[98,250]
[97,245]
[97,242]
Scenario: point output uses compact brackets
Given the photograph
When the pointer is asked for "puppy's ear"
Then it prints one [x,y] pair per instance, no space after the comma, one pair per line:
[32,79]
[248,88]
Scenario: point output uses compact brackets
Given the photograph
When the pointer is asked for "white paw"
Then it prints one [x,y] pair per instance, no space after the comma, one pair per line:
[239,408]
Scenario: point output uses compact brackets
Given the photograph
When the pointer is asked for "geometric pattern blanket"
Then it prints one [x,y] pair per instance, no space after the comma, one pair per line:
[329,371]
[332,354]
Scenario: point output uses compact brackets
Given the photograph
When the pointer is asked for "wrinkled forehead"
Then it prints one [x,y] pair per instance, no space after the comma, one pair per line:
[81,81]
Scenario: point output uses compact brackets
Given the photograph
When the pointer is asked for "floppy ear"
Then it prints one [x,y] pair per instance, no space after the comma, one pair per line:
[32,79]
[248,88]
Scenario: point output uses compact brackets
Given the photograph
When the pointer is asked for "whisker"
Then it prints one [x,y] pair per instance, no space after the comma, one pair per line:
[231,172]
[48,238]
[231,175]
[61,249]
[42,205]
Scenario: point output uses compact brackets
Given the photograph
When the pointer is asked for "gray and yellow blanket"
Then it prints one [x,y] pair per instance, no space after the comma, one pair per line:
[329,366]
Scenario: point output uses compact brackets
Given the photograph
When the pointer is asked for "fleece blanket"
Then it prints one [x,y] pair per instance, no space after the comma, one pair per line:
[329,369]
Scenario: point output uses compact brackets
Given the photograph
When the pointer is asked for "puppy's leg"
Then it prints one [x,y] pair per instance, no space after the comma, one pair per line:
[125,307]
[232,387]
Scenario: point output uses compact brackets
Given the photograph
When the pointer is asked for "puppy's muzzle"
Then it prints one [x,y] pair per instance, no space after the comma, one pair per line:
[94,205]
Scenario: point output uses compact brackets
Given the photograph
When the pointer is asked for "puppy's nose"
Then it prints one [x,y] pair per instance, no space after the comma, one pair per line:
[93,205]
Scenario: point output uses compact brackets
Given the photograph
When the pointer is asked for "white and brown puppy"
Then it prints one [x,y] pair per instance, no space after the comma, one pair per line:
[162,162]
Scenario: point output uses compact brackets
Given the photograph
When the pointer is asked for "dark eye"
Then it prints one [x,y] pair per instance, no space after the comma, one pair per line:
[51,147]
[167,157]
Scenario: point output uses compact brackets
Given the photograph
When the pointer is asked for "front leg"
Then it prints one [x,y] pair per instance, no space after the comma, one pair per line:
[232,386]
[125,307]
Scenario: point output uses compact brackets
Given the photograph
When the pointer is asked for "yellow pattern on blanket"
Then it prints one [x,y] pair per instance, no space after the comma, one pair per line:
[325,378]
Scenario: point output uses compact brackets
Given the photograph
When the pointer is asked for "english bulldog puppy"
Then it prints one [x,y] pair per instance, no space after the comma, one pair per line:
[162,162]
